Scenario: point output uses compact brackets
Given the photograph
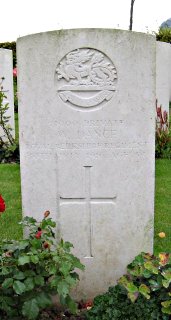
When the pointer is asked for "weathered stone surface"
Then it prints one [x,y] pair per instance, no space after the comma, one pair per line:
[6,71]
[163,74]
[87,122]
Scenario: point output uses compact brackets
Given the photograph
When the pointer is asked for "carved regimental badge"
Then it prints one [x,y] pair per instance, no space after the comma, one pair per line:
[86,78]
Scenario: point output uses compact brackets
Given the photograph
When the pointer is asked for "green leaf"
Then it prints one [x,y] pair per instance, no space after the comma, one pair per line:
[166,283]
[23,244]
[39,280]
[56,258]
[131,287]
[146,273]
[36,243]
[166,303]
[166,310]
[34,259]
[123,281]
[29,273]
[166,306]
[54,281]
[29,220]
[139,260]
[167,274]
[136,271]
[154,285]
[133,296]
[19,276]
[23,260]
[19,287]
[30,309]
[43,300]
[29,283]
[5,271]
[144,290]
[65,268]
[74,275]
[52,269]
[7,283]
[149,266]
[63,288]
[77,264]
[67,245]
[71,280]
[71,304]
[48,222]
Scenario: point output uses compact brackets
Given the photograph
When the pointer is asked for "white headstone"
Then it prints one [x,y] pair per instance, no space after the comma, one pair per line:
[163,74]
[6,72]
[87,110]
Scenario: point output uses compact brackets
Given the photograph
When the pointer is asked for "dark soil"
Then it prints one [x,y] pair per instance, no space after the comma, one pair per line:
[54,314]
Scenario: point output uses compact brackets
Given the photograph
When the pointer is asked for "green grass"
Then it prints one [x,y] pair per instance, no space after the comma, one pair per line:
[10,189]
[163,205]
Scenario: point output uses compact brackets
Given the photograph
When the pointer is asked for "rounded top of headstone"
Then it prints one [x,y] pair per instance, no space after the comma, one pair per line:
[166,24]
[76,31]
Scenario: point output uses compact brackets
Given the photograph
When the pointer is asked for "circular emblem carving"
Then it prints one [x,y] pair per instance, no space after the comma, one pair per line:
[86,78]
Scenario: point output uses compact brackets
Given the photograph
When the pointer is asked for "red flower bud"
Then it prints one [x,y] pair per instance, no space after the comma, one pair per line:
[46,245]
[38,234]
[46,214]
[2,204]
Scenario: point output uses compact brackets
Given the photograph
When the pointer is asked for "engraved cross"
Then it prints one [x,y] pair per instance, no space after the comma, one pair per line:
[88,200]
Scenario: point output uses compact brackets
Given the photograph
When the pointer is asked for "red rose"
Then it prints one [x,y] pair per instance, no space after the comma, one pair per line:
[2,204]
[38,234]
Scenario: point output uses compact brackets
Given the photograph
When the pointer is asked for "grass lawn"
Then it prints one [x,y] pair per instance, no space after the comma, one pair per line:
[10,188]
[163,205]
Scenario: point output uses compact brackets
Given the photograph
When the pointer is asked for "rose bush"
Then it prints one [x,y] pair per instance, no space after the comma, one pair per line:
[35,269]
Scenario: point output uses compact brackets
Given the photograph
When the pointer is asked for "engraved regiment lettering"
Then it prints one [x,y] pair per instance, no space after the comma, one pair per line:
[87,200]
[86,78]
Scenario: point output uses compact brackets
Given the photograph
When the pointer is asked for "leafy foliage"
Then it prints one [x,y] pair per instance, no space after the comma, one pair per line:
[34,269]
[143,293]
[163,134]
[115,305]
[150,276]
[9,149]
[164,35]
